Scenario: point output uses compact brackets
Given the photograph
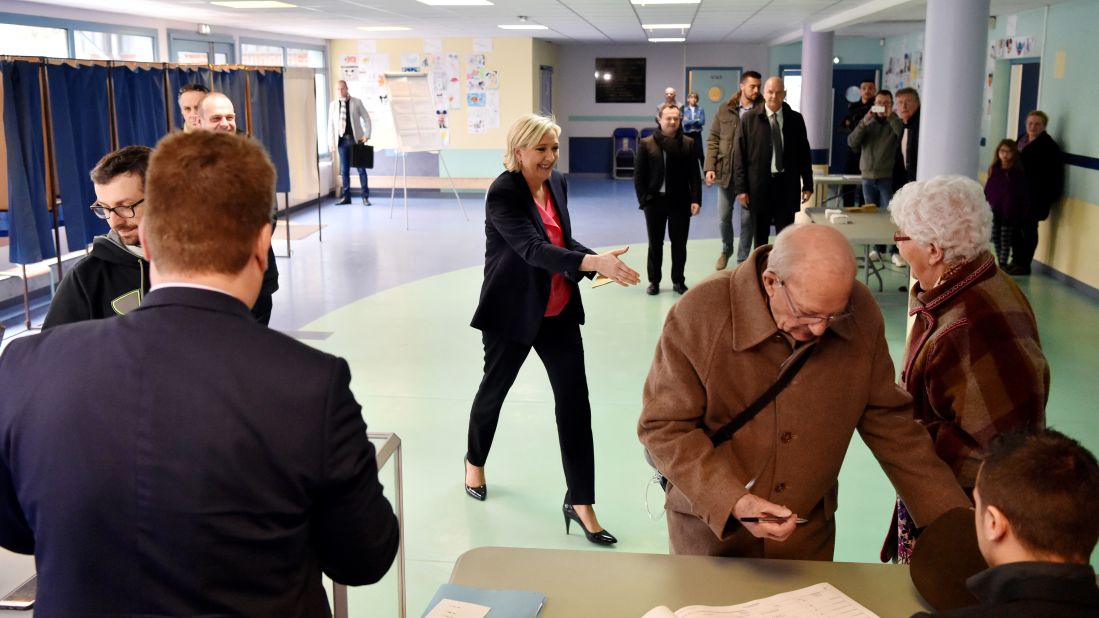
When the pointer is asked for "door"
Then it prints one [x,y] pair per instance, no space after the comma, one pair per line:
[845,90]
[195,51]
[545,103]
[1024,96]
[714,86]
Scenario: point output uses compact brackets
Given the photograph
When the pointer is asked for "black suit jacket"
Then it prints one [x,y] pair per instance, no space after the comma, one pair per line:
[752,159]
[1044,166]
[520,259]
[905,172]
[684,181]
[185,460]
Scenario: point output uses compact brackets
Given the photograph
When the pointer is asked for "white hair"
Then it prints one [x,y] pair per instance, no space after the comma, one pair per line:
[948,211]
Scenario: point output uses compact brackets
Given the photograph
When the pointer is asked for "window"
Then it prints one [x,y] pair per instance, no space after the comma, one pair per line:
[91,45]
[312,58]
[261,55]
[18,40]
[791,79]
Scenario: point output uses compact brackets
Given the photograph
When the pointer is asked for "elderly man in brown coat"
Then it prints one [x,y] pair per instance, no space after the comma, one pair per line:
[722,346]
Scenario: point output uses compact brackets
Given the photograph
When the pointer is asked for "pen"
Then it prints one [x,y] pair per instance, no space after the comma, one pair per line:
[770,520]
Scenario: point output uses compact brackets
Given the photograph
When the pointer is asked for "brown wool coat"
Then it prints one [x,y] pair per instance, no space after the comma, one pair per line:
[719,350]
[974,364]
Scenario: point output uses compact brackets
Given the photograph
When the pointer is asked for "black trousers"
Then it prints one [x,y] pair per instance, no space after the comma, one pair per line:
[660,214]
[561,349]
[1024,242]
[699,148]
[771,210]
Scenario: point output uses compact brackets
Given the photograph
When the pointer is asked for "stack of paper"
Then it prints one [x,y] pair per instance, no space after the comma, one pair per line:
[817,601]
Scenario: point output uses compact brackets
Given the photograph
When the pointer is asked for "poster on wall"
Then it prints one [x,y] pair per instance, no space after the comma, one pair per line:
[1012,47]
[904,65]
[349,68]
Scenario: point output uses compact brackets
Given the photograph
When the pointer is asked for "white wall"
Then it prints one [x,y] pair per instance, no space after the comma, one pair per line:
[574,90]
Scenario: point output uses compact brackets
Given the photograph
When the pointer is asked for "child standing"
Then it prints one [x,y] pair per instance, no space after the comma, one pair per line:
[1007,192]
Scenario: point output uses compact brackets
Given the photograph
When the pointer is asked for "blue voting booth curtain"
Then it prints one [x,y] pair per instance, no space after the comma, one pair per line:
[139,109]
[231,84]
[179,77]
[30,232]
[81,136]
[269,122]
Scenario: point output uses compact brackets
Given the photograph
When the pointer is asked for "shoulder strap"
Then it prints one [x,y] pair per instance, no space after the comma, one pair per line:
[722,435]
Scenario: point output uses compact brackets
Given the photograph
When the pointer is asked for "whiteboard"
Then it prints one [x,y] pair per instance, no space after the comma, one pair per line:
[411,102]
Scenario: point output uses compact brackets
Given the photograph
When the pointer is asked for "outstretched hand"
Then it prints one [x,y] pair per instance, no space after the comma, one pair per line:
[609,265]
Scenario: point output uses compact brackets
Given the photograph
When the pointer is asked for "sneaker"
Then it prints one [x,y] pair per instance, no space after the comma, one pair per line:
[722,262]
[898,261]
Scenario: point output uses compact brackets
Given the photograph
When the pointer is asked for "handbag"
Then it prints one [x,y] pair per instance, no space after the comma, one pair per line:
[726,432]
[362,155]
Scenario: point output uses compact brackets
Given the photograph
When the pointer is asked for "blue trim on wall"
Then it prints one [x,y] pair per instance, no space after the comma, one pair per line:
[818,156]
[590,155]
[1084,161]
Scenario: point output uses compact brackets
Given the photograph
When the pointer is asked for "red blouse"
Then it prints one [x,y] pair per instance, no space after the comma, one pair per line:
[560,292]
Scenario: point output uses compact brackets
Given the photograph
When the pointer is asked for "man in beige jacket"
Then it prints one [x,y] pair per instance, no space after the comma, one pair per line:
[722,346]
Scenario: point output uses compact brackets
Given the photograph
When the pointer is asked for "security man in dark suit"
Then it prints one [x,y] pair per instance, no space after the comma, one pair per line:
[187,460]
[771,164]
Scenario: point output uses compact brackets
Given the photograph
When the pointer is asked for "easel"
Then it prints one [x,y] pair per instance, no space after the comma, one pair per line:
[404,184]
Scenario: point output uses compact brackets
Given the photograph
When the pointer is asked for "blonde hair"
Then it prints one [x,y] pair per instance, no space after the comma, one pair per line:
[526,132]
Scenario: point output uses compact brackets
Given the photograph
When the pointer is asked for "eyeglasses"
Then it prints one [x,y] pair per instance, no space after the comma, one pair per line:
[898,236]
[126,212]
[812,320]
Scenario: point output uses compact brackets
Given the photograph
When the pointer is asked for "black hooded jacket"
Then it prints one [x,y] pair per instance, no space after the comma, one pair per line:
[111,281]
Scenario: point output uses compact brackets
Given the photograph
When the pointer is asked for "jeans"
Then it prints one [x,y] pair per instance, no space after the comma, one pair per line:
[726,205]
[346,142]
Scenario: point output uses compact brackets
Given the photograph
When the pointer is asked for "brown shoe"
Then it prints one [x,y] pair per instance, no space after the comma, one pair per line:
[722,262]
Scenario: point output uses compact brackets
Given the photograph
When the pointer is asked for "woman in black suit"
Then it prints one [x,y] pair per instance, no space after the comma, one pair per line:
[530,299]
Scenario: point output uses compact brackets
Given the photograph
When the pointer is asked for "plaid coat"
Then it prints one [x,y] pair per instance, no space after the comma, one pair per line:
[974,365]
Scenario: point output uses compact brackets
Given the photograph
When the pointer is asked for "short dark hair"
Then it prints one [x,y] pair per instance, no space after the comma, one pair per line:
[885,92]
[1047,485]
[207,197]
[909,92]
[194,87]
[128,160]
[664,106]
[751,75]
[868,80]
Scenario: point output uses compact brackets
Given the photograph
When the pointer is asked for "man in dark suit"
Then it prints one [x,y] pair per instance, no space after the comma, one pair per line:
[1044,166]
[669,190]
[908,148]
[771,164]
[189,461]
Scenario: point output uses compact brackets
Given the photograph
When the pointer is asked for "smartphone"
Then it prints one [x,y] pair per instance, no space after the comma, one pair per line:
[878,109]
[22,597]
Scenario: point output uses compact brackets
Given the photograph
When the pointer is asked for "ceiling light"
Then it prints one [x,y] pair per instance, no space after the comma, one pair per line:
[455,2]
[665,26]
[668,39]
[522,27]
[254,4]
[384,28]
[644,2]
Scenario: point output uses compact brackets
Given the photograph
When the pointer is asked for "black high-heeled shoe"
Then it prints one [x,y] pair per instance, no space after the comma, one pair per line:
[480,492]
[599,538]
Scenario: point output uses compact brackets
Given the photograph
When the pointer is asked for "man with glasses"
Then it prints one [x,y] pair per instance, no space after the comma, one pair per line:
[114,277]
[770,490]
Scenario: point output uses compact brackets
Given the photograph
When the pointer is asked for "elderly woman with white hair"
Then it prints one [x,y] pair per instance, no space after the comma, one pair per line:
[973,363]
[530,300]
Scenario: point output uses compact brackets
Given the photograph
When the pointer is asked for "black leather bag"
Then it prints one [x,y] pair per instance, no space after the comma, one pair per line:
[362,155]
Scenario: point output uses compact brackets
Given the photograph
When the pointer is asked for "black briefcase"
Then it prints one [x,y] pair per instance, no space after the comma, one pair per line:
[362,155]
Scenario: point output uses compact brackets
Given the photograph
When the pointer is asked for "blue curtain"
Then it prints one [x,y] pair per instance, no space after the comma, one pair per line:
[269,122]
[177,78]
[231,84]
[139,109]
[81,136]
[31,238]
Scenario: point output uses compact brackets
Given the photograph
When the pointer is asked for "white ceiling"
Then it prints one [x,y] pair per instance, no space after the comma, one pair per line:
[587,21]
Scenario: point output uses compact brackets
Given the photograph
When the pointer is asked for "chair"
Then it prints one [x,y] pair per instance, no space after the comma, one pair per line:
[625,153]
[647,131]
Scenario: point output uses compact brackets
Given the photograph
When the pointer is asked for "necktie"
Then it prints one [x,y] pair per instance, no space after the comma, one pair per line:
[776,141]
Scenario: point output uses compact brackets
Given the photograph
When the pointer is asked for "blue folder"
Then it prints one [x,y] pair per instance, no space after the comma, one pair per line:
[504,603]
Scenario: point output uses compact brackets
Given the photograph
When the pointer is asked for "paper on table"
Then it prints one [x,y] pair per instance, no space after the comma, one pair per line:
[812,602]
[449,608]
[600,280]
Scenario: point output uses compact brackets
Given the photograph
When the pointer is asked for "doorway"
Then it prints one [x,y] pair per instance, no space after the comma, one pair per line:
[714,86]
[545,89]
[845,91]
[1023,95]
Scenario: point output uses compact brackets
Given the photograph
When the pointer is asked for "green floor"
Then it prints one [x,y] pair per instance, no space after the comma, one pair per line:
[416,364]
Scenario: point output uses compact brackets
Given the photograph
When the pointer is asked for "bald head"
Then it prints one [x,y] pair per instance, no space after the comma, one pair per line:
[774,93]
[810,273]
[217,113]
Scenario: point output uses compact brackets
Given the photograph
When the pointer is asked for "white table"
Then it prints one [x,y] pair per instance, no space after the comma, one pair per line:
[866,229]
[823,182]
[14,570]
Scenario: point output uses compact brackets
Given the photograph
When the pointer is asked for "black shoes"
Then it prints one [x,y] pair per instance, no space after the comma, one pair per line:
[480,492]
[599,538]
[346,200]
[679,288]
[366,201]
[1017,270]
[653,289]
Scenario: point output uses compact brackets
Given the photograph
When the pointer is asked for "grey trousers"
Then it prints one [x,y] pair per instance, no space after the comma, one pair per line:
[726,204]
